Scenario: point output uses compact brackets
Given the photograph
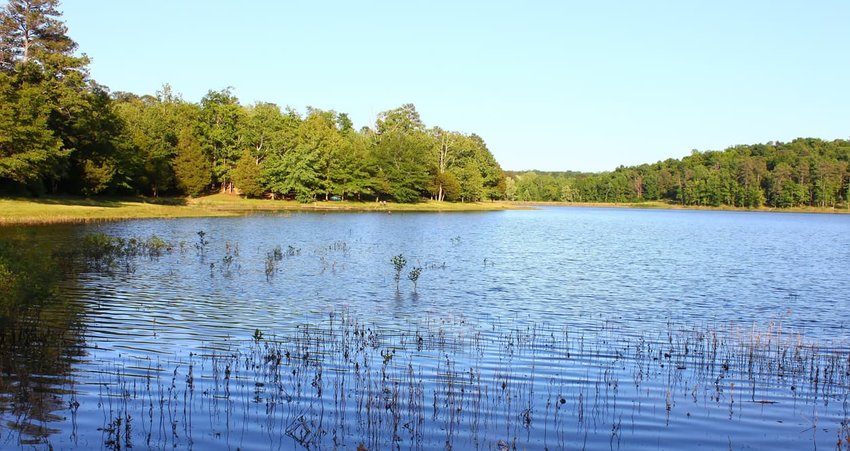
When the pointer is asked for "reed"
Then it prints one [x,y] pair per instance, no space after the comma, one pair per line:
[450,384]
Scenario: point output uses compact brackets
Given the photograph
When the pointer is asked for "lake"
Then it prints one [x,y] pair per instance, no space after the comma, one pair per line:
[559,328]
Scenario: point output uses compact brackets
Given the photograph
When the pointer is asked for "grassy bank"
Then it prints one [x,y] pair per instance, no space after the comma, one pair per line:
[673,206]
[55,210]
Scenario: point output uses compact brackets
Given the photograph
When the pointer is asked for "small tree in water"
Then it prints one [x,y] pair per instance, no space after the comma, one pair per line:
[414,276]
[398,262]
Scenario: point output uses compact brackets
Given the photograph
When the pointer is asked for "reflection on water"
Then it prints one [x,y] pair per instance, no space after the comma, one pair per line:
[40,341]
[557,329]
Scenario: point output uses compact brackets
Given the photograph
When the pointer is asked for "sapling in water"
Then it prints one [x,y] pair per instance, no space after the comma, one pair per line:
[398,263]
[414,276]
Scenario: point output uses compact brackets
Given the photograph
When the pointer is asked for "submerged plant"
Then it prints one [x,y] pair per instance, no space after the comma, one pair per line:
[201,245]
[156,245]
[106,253]
[226,262]
[271,266]
[398,263]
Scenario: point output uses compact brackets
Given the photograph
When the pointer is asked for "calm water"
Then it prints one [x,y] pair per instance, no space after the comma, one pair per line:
[561,329]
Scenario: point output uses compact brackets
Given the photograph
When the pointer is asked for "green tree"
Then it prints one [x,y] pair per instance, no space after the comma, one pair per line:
[191,166]
[446,150]
[247,175]
[221,119]
[470,181]
[400,154]
[52,94]
[101,162]
[295,171]
[32,31]
[351,174]
[321,136]
[30,151]
[151,127]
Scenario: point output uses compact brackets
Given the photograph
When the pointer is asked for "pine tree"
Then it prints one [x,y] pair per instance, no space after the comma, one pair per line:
[40,76]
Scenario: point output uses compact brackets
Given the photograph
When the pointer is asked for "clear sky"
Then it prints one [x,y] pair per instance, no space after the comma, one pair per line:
[552,85]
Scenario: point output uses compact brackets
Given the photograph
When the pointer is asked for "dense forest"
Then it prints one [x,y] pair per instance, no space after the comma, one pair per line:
[62,133]
[803,172]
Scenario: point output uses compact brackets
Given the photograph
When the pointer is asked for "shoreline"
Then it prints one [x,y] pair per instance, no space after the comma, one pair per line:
[80,210]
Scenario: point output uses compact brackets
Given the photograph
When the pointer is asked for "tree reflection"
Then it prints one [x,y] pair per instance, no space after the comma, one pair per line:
[40,339]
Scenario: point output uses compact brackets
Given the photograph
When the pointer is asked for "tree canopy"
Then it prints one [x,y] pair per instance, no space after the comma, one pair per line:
[803,172]
[64,133]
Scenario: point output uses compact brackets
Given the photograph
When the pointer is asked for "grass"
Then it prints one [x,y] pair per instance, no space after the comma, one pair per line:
[56,210]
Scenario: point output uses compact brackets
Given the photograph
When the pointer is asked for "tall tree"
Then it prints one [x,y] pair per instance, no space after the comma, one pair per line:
[352,176]
[220,126]
[30,151]
[192,168]
[152,125]
[445,155]
[401,154]
[32,31]
[50,91]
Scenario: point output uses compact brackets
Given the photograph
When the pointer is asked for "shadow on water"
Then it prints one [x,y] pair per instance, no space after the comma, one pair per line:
[40,339]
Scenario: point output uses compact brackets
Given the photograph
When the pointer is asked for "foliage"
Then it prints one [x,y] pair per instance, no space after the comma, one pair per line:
[247,175]
[804,172]
[413,276]
[64,133]
[399,262]
[191,167]
[220,125]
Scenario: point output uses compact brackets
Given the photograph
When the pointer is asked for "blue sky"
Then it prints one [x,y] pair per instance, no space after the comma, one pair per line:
[558,85]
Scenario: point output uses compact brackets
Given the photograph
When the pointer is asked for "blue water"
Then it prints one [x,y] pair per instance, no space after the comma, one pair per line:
[523,308]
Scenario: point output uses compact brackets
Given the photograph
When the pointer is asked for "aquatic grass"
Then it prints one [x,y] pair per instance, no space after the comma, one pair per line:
[447,383]
[202,244]
[105,253]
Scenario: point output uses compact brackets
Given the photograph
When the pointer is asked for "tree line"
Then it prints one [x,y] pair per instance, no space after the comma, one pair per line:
[64,133]
[803,172]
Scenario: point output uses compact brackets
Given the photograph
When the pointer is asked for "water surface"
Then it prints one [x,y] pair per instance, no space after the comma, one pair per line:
[560,328]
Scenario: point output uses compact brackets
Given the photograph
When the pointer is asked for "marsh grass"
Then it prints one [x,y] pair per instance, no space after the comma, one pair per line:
[100,252]
[445,383]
